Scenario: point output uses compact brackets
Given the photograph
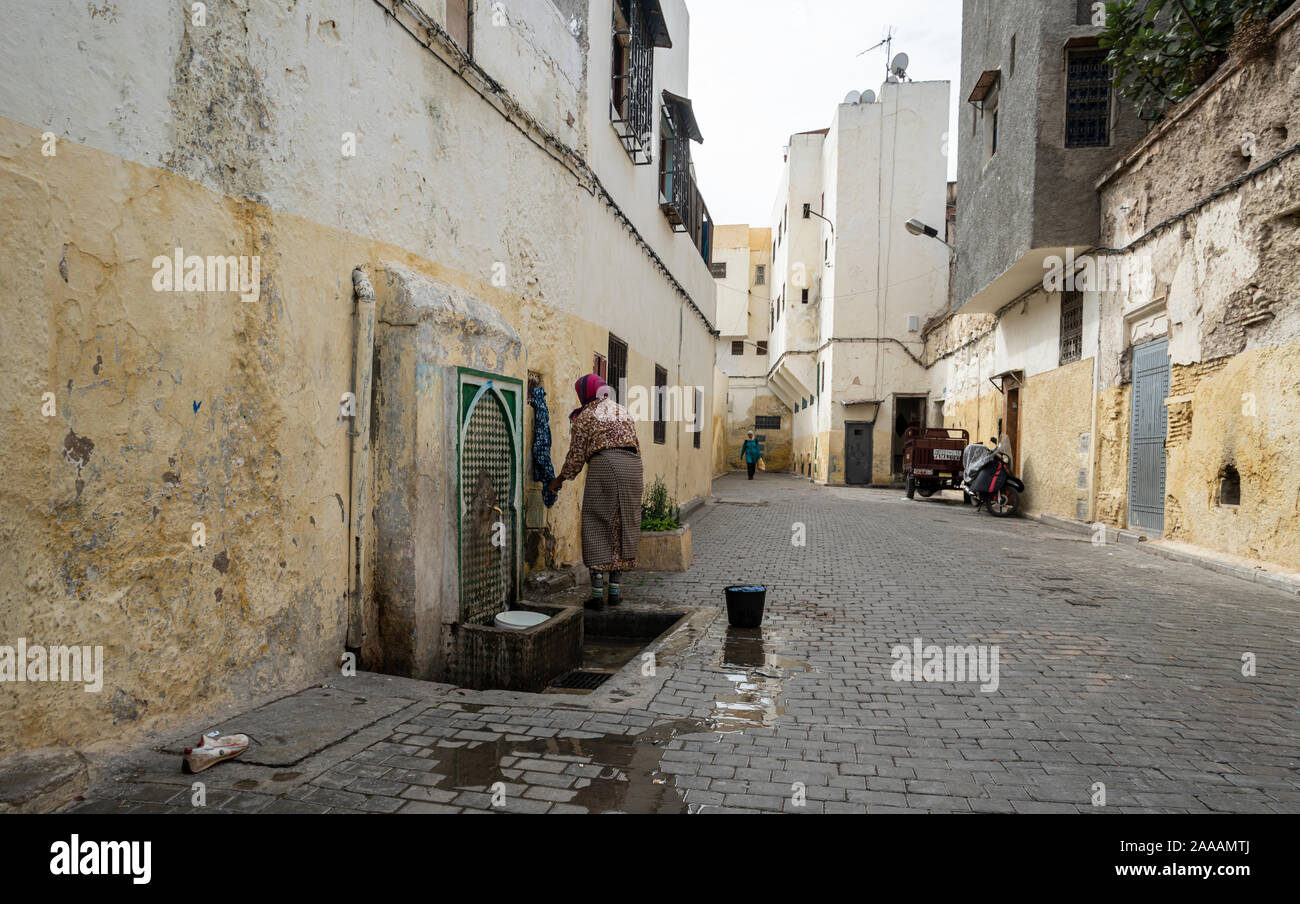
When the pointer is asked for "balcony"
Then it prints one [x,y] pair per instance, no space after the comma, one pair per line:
[638,29]
[679,195]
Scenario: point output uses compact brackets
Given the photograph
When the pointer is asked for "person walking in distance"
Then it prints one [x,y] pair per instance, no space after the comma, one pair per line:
[751,452]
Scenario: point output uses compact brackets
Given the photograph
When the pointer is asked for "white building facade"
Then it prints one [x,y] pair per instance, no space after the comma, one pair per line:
[850,289]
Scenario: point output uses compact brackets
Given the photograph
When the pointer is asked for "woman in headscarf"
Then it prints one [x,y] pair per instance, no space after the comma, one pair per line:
[751,451]
[603,437]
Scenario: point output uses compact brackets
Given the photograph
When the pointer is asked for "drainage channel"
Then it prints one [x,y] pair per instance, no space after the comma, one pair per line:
[611,639]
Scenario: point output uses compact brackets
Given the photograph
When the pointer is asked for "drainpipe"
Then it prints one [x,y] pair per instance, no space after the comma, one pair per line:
[363,350]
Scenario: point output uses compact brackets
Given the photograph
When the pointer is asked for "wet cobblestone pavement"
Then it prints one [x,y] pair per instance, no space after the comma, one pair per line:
[1115,667]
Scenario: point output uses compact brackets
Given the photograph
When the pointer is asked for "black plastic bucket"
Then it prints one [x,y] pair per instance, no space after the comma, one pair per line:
[745,605]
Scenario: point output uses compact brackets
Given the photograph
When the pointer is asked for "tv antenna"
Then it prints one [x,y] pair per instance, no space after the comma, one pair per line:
[888,43]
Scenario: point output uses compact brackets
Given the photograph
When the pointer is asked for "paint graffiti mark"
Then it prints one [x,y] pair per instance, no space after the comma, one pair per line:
[196,407]
[423,376]
[77,449]
[342,515]
[221,562]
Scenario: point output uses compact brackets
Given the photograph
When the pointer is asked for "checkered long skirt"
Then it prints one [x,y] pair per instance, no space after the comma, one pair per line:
[611,510]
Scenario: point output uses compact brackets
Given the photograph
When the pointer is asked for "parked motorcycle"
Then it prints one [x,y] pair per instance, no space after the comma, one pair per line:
[988,480]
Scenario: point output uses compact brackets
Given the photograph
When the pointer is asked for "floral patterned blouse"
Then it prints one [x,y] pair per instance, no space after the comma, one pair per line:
[601,425]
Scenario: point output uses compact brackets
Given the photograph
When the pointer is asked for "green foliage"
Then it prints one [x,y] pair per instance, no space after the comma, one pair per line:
[659,511]
[1163,50]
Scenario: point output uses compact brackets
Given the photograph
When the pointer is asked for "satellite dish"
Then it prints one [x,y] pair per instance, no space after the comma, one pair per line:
[852,97]
[899,65]
[868,97]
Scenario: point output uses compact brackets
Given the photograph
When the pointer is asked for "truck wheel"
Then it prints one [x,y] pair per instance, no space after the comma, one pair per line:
[911,487]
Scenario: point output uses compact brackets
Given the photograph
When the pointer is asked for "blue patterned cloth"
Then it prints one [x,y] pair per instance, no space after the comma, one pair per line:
[543,470]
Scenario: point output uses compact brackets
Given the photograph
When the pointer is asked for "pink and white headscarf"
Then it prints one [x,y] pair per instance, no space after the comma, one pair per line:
[589,389]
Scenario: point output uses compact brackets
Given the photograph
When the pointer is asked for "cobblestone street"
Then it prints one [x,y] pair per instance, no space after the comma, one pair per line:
[1116,667]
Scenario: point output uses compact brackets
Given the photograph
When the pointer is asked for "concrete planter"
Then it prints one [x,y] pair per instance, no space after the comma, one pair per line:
[665,550]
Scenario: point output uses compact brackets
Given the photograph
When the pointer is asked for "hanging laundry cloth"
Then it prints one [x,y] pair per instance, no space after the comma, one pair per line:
[543,470]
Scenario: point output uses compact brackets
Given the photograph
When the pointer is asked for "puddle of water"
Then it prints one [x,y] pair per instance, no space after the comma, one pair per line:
[753,704]
[628,777]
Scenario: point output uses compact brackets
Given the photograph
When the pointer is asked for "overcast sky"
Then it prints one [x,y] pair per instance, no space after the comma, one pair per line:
[764,69]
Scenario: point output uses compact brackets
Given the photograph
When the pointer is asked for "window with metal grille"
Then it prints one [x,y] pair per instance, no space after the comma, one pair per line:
[460,19]
[738,347]
[1071,327]
[638,29]
[661,388]
[617,366]
[699,418]
[761,348]
[718,269]
[1087,99]
[760,275]
[767,422]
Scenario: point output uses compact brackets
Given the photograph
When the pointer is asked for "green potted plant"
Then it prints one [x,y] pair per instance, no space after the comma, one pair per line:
[665,541]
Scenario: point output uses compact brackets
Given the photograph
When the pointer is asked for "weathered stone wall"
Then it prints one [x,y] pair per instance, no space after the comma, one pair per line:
[748,402]
[171,410]
[174,408]
[1209,206]
[1111,456]
[1243,413]
[1055,440]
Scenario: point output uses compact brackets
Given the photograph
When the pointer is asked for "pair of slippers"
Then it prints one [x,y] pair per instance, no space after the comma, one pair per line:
[213,748]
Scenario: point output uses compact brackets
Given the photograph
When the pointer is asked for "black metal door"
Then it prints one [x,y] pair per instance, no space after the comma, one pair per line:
[857,452]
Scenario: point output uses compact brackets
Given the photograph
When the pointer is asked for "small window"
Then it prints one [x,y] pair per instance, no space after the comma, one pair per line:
[737,347]
[803,297]
[1087,99]
[460,23]
[991,124]
[718,269]
[1229,486]
[699,417]
[760,275]
[661,387]
[1071,327]
[767,422]
[761,348]
[1011,65]
[617,367]
[826,251]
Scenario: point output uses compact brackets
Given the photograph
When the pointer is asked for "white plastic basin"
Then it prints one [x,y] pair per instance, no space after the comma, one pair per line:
[519,620]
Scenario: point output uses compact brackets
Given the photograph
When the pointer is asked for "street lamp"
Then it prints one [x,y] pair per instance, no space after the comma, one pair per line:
[916,227]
